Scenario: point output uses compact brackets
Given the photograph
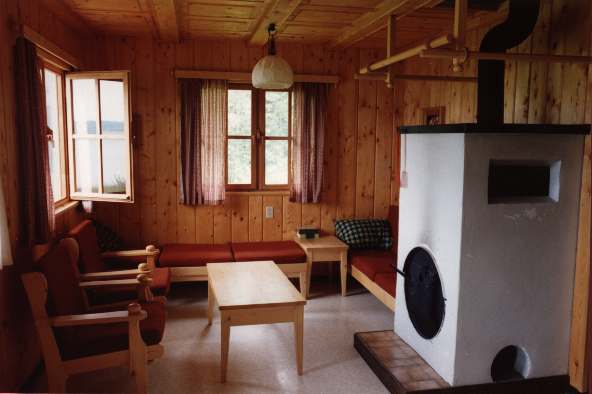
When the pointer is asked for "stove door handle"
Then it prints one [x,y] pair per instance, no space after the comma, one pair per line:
[402,273]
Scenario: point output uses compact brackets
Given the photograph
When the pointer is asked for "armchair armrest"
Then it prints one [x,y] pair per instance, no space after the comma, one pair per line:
[141,283]
[134,313]
[117,274]
[150,254]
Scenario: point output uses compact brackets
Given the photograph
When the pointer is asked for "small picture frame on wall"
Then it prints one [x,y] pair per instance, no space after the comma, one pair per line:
[434,116]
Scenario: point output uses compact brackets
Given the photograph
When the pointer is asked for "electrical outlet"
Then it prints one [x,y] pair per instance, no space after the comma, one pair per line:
[268,212]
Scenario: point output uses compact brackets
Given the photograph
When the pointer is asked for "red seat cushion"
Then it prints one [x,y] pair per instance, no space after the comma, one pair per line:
[90,256]
[371,262]
[388,282]
[281,252]
[64,295]
[82,341]
[194,255]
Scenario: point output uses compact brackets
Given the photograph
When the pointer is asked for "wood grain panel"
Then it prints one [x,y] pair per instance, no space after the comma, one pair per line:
[272,227]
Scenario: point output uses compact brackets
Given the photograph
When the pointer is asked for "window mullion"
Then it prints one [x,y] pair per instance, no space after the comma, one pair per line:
[99,135]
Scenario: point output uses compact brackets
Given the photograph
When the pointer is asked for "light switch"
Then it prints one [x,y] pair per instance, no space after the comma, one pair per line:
[268,212]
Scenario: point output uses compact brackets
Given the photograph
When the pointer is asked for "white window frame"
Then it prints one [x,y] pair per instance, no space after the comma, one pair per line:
[128,196]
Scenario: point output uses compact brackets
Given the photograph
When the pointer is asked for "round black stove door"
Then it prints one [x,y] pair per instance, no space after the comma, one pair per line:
[423,293]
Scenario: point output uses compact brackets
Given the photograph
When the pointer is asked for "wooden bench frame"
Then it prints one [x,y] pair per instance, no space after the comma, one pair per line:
[373,288]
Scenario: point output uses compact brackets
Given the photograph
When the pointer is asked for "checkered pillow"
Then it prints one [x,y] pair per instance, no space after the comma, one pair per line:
[365,233]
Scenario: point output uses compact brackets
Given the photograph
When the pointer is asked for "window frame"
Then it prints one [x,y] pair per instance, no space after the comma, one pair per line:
[70,77]
[258,138]
[63,151]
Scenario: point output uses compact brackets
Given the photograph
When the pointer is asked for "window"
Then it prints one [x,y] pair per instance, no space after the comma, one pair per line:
[99,136]
[53,83]
[258,139]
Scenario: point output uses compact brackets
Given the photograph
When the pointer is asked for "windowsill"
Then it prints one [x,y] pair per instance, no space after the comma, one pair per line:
[258,193]
[65,207]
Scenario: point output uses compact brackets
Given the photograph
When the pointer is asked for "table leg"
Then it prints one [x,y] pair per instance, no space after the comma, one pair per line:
[308,273]
[298,335]
[210,303]
[302,279]
[225,339]
[343,273]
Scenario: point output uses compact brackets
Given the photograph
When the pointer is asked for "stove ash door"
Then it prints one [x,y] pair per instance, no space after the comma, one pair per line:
[423,293]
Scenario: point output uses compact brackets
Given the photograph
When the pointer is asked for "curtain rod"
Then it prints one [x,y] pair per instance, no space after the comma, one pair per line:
[245,77]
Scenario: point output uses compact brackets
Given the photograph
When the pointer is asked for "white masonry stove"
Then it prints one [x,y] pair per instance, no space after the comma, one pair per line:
[487,239]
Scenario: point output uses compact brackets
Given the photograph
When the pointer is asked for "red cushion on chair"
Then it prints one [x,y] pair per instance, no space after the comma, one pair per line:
[281,252]
[161,281]
[194,255]
[371,262]
[388,282]
[64,295]
[82,341]
[90,256]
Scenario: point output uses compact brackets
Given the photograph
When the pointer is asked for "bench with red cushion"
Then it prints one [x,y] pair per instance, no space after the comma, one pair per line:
[281,252]
[379,265]
[194,255]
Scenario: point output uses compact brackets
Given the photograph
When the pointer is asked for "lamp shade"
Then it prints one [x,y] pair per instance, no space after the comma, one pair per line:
[272,72]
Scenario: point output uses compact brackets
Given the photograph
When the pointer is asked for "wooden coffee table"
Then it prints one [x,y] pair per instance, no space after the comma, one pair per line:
[250,293]
[325,249]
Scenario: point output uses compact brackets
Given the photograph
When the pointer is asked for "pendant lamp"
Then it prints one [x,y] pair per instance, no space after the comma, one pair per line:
[272,72]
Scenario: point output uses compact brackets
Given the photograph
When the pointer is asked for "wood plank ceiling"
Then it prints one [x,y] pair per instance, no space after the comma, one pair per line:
[338,23]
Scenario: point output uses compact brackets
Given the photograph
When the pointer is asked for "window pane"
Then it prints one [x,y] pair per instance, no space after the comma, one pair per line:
[114,170]
[276,162]
[84,95]
[276,114]
[112,106]
[87,166]
[54,146]
[239,112]
[239,162]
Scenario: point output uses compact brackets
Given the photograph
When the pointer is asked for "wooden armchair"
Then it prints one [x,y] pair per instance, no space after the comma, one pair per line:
[75,340]
[95,266]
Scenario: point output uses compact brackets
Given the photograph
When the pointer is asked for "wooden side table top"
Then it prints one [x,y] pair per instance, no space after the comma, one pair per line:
[254,284]
[323,242]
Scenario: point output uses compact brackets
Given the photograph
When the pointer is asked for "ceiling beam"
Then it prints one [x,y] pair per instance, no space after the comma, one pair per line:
[374,21]
[274,11]
[164,13]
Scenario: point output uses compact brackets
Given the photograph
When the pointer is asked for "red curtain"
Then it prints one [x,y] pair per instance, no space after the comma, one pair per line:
[36,200]
[308,141]
[202,143]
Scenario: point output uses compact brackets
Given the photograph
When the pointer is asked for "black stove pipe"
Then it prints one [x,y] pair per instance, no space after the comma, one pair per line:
[522,17]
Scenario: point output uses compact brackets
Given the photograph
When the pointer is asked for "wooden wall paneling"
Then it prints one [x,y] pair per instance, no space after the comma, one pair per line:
[366,140]
[129,214]
[510,89]
[314,64]
[222,222]
[522,86]
[256,218]
[383,151]
[272,227]
[240,218]
[329,195]
[145,129]
[292,218]
[398,120]
[579,325]
[166,168]
[576,42]
[186,214]
[239,56]
[555,73]
[348,92]
[539,70]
